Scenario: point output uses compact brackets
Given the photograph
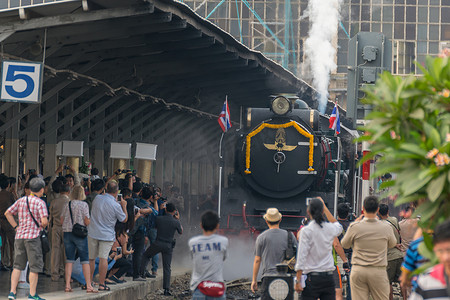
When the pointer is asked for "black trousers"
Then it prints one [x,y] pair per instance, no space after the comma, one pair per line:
[123,265]
[319,287]
[166,250]
[138,242]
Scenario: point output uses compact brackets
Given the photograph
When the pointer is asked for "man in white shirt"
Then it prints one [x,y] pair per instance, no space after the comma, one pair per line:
[208,253]
[314,256]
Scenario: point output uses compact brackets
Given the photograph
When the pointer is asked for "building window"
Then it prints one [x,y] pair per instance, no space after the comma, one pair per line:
[404,56]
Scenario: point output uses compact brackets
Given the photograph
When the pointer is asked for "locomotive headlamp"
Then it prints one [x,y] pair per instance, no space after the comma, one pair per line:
[281,106]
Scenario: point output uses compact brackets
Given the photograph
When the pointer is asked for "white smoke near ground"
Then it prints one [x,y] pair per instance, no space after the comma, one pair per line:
[319,49]
[240,257]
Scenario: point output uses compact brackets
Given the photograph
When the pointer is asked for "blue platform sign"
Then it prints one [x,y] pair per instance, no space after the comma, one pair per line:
[21,81]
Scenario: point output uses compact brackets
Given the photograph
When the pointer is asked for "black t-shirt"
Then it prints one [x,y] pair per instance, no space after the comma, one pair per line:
[166,226]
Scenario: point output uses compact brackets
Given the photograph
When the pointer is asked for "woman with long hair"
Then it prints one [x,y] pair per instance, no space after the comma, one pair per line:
[76,212]
[314,256]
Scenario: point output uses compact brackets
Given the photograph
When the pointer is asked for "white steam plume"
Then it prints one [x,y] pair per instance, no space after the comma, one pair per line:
[324,20]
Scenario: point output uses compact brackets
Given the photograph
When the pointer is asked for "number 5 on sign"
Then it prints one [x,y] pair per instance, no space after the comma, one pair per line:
[21,81]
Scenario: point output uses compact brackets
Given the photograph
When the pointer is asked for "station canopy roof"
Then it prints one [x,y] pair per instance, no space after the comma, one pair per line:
[154,50]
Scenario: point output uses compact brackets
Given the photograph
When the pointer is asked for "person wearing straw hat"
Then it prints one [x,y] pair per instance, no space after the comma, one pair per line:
[270,249]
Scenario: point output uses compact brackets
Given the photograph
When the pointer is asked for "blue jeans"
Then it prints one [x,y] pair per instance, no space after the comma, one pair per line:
[152,237]
[76,246]
[197,295]
[77,272]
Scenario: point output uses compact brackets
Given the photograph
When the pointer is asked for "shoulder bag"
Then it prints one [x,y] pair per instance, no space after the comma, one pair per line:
[78,230]
[291,252]
[43,234]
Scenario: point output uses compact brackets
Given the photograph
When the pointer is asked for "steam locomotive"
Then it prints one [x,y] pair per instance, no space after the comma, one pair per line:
[281,156]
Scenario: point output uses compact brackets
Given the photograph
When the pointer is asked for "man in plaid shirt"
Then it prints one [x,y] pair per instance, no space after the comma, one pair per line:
[27,244]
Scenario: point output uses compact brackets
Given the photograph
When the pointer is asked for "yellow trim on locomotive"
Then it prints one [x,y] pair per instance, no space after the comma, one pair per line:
[276,126]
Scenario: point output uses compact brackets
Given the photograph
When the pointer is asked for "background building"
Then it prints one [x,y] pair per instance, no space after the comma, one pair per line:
[279,29]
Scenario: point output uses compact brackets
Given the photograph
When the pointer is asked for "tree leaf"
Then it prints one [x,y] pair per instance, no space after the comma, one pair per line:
[425,251]
[433,134]
[413,148]
[434,189]
[418,114]
[408,199]
[414,185]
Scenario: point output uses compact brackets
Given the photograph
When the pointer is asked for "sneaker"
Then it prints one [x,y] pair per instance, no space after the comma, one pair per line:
[167,293]
[12,296]
[23,285]
[35,297]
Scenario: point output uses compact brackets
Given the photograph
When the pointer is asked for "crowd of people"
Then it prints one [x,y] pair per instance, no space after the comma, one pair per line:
[117,228]
[111,227]
[378,250]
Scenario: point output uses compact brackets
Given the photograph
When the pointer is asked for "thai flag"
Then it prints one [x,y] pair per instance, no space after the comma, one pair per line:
[224,117]
[335,123]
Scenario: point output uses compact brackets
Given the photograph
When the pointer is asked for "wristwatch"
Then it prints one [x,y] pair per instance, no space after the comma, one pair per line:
[15,227]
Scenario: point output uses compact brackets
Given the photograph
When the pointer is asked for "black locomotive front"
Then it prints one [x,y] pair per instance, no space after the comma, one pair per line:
[282,157]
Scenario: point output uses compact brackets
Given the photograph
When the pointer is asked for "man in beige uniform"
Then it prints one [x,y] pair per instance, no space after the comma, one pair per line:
[369,238]
[57,257]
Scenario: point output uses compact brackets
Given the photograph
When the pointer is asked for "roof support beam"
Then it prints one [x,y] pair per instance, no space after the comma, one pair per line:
[75,18]
[107,118]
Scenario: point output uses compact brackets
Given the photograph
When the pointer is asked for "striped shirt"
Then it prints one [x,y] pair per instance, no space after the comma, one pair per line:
[432,285]
[413,259]
[27,228]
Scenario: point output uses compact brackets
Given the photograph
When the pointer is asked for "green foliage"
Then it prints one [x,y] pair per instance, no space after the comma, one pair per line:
[410,129]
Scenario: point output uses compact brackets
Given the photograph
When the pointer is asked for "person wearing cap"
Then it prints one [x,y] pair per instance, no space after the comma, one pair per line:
[314,255]
[270,249]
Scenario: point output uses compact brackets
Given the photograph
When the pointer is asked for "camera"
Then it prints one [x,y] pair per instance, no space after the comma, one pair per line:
[163,198]
[31,171]
[66,167]
[86,179]
[136,210]
[119,250]
[308,200]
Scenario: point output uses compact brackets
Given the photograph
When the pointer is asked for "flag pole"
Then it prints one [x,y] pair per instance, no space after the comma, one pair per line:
[220,174]
[219,204]
[337,172]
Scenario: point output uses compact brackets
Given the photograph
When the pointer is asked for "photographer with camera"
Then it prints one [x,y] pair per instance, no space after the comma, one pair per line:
[166,227]
[147,207]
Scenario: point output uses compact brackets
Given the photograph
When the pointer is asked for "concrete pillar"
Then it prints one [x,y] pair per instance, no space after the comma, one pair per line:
[177,173]
[210,175]
[186,179]
[194,178]
[99,160]
[74,162]
[50,158]
[168,170]
[144,169]
[159,168]
[119,164]
[32,146]
[12,145]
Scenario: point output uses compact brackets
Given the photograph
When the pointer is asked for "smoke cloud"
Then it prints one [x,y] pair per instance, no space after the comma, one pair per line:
[323,17]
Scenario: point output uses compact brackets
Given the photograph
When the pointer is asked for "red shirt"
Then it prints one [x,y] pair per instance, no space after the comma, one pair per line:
[27,228]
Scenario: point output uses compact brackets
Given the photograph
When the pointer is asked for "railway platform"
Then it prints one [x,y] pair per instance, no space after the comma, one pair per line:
[51,290]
